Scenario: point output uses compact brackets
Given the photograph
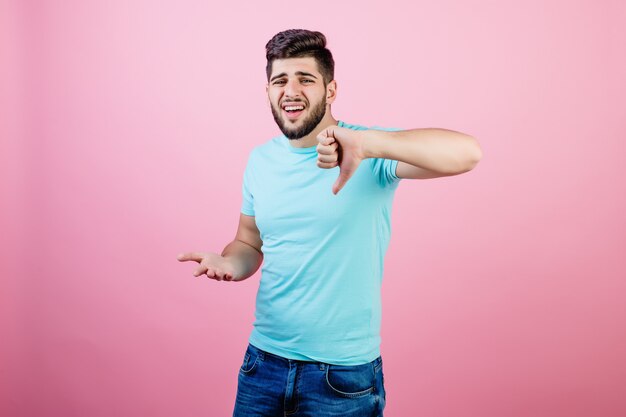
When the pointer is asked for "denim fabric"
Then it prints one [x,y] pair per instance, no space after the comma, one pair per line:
[273,386]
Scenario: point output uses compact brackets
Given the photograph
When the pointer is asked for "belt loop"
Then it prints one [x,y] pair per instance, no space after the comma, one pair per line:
[377,363]
[322,366]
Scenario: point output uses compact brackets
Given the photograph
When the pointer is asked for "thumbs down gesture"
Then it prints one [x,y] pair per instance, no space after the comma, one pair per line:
[343,147]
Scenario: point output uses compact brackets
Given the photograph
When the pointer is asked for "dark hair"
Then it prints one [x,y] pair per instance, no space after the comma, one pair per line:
[298,43]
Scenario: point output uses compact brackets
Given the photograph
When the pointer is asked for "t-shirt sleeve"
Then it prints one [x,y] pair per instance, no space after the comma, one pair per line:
[247,204]
[385,169]
[385,172]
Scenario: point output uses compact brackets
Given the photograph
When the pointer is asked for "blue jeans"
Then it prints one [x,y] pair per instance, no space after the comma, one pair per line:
[273,386]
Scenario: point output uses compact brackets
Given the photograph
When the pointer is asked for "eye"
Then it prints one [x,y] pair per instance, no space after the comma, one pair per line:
[307,81]
[279,82]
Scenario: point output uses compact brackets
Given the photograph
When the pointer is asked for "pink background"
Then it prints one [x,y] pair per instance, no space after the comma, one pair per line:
[125,128]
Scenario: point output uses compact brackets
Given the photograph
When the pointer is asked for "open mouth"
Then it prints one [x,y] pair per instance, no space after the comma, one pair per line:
[293,110]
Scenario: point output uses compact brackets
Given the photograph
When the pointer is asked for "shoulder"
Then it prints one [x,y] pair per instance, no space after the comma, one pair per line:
[352,126]
[362,127]
[267,148]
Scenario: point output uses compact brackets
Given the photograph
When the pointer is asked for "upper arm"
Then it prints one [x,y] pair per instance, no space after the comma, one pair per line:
[404,170]
[248,233]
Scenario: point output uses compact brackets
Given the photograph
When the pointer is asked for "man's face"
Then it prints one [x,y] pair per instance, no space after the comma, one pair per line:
[297,96]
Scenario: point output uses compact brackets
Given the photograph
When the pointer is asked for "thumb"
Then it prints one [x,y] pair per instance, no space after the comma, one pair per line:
[341,180]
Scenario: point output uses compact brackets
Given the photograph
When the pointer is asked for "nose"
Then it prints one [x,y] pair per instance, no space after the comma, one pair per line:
[292,88]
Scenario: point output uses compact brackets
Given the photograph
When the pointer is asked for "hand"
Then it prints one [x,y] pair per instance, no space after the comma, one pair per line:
[213,265]
[340,146]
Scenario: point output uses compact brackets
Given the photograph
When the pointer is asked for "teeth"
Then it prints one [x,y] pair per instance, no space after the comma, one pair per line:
[292,108]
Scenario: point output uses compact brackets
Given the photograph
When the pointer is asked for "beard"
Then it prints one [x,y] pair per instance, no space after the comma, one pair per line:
[308,124]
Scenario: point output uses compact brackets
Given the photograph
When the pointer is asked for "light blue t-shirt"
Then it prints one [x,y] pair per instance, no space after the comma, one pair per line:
[319,293]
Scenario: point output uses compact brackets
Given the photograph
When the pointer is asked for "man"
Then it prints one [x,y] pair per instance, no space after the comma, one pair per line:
[316,211]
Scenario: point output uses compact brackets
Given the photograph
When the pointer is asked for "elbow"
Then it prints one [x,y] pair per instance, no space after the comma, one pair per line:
[473,154]
[468,159]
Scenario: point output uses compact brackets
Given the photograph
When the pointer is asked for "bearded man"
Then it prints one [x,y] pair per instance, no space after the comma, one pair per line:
[316,213]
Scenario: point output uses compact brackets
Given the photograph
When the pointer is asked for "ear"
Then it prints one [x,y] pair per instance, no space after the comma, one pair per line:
[331,92]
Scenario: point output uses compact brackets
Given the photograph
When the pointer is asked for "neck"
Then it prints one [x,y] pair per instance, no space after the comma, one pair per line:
[311,139]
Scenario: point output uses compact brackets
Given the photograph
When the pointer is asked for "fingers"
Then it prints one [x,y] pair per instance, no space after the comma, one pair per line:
[326,137]
[328,156]
[327,149]
[219,275]
[333,157]
[206,267]
[213,273]
[190,256]
[200,270]
[327,164]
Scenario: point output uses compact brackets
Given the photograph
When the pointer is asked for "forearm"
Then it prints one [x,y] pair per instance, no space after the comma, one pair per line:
[438,150]
[245,259]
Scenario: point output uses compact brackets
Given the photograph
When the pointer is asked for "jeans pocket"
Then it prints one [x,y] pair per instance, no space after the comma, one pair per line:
[250,360]
[351,381]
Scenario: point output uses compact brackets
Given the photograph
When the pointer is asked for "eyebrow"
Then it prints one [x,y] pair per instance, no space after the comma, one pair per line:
[283,74]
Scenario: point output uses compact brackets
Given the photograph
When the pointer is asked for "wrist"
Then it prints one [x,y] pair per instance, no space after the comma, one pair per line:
[370,143]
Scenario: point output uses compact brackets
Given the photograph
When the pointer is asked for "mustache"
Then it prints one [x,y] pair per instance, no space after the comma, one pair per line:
[293,101]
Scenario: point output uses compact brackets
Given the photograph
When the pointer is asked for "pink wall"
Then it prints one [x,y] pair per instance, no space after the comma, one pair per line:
[125,128]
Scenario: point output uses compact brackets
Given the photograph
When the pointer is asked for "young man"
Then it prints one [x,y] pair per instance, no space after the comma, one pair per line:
[316,211]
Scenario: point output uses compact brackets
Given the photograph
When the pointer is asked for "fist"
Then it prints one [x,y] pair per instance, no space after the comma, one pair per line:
[327,155]
[343,147]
